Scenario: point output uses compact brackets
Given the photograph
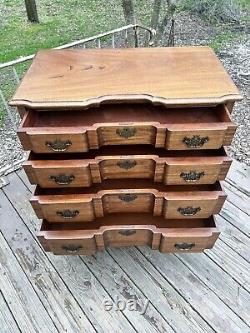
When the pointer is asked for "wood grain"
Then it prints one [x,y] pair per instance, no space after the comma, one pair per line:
[219,316]
[167,170]
[180,75]
[118,230]
[36,285]
[173,306]
[7,322]
[143,197]
[69,291]
[22,300]
[169,128]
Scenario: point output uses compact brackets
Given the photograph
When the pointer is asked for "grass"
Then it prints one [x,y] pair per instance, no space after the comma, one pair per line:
[220,40]
[60,22]
[63,21]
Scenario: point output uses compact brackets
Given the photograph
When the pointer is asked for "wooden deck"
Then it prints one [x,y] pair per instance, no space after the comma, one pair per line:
[206,292]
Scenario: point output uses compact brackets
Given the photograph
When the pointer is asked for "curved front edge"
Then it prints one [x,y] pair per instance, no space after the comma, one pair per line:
[188,240]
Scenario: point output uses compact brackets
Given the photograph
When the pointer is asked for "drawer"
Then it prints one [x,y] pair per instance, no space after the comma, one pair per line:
[116,230]
[159,165]
[124,124]
[137,196]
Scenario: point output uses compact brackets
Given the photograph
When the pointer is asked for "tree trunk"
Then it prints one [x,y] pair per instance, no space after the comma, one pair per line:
[171,6]
[156,14]
[31,10]
[128,10]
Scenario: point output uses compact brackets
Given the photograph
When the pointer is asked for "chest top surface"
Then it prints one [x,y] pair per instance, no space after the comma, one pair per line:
[82,78]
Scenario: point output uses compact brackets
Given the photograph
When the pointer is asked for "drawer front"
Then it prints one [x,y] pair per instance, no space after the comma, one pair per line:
[178,139]
[128,202]
[43,142]
[131,167]
[170,129]
[91,243]
[127,237]
[171,139]
[64,211]
[69,245]
[166,239]
[190,174]
[192,208]
[172,171]
[87,207]
[126,135]
[185,240]
[58,177]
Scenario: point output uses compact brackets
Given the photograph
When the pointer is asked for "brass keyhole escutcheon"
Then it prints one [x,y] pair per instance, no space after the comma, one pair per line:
[126,132]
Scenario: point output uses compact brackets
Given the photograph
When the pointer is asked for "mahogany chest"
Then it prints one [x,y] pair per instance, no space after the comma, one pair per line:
[126,146]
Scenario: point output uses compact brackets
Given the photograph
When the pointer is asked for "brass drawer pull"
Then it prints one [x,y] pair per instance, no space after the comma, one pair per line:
[127,232]
[58,145]
[126,132]
[72,248]
[184,246]
[196,141]
[127,164]
[62,179]
[192,176]
[188,211]
[127,197]
[68,214]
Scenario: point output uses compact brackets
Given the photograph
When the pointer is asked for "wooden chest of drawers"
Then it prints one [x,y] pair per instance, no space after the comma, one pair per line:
[127,147]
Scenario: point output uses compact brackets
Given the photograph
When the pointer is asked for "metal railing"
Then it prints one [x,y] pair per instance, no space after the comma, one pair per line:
[11,152]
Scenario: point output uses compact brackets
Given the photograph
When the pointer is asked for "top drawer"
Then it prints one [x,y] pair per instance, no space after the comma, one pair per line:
[169,128]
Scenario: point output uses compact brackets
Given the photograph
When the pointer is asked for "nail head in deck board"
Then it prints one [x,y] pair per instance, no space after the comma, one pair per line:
[22,300]
[177,75]
[18,195]
[40,273]
[169,302]
[117,283]
[200,297]
[7,321]
[221,283]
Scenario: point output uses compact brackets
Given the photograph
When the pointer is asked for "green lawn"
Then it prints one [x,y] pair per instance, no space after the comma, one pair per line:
[61,21]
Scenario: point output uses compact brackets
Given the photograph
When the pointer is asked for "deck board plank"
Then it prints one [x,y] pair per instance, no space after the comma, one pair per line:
[239,176]
[64,264]
[202,299]
[7,321]
[169,302]
[231,262]
[239,199]
[221,283]
[65,312]
[236,217]
[233,237]
[220,277]
[120,286]
[22,300]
